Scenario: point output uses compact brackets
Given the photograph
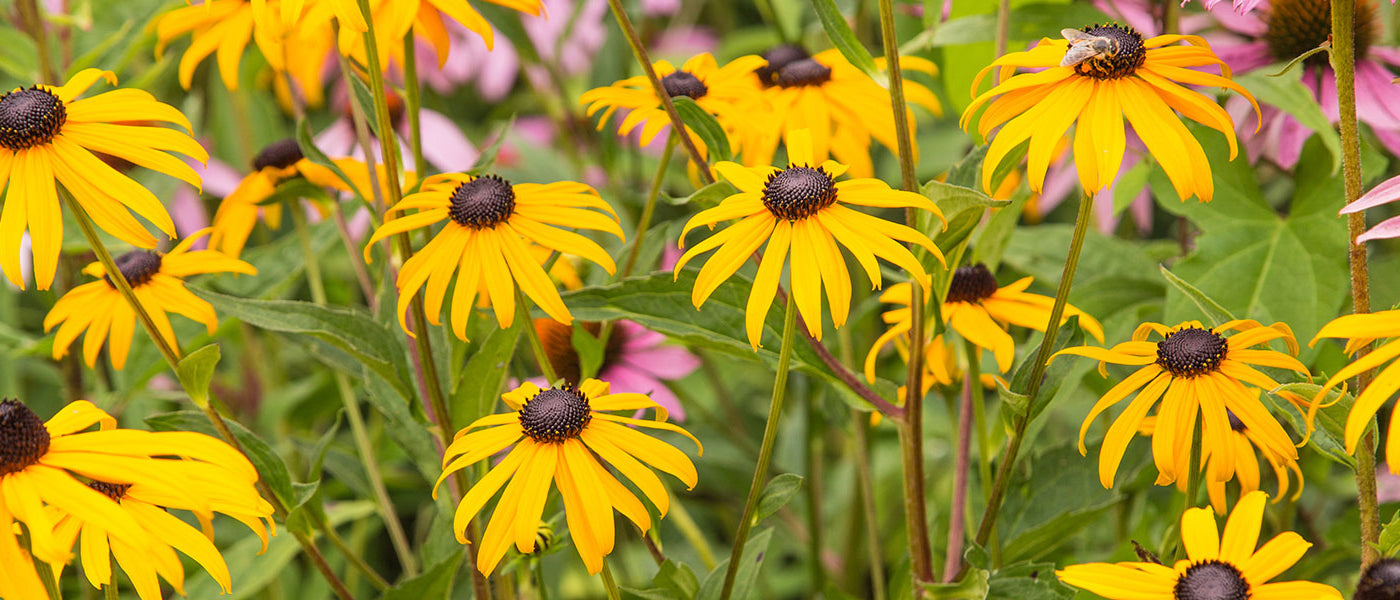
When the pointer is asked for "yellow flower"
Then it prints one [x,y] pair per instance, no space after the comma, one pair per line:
[802,211]
[1361,331]
[158,282]
[1217,566]
[48,135]
[560,434]
[1193,371]
[394,19]
[39,475]
[485,241]
[726,92]
[292,40]
[279,162]
[979,311]
[842,106]
[1138,79]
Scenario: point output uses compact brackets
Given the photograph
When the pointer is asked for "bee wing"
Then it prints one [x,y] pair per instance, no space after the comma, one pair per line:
[1075,35]
[1076,54]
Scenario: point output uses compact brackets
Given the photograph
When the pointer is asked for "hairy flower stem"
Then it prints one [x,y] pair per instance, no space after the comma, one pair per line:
[1344,67]
[352,410]
[911,429]
[677,125]
[961,467]
[1042,359]
[765,452]
[172,358]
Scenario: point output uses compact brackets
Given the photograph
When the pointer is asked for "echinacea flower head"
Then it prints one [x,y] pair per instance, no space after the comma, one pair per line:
[726,92]
[1094,90]
[98,311]
[485,241]
[278,163]
[803,212]
[40,466]
[635,360]
[561,434]
[395,19]
[48,135]
[980,311]
[1218,565]
[841,105]
[1193,371]
[1380,581]
[1361,331]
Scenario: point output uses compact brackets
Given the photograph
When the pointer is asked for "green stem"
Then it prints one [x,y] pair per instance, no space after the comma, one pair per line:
[677,125]
[692,534]
[1344,67]
[540,582]
[1193,475]
[609,582]
[522,312]
[984,444]
[354,557]
[352,411]
[1047,348]
[42,569]
[32,17]
[413,99]
[765,452]
[109,589]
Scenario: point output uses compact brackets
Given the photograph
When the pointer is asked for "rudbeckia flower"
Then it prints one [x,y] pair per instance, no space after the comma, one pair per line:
[292,35]
[490,224]
[42,462]
[274,165]
[1244,463]
[980,312]
[560,434]
[839,104]
[98,309]
[1193,370]
[1361,331]
[802,211]
[1138,79]
[726,92]
[1216,565]
[635,360]
[48,135]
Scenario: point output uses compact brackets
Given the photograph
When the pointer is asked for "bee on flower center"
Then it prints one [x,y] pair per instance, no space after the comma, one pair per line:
[1104,51]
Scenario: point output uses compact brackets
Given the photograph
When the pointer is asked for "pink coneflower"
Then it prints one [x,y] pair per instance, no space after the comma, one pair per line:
[445,147]
[636,360]
[492,71]
[1284,29]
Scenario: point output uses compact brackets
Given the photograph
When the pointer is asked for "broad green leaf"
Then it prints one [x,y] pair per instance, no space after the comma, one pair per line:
[433,583]
[1030,526]
[845,40]
[485,373]
[1329,434]
[1027,581]
[708,196]
[195,371]
[704,125]
[779,491]
[746,579]
[1212,309]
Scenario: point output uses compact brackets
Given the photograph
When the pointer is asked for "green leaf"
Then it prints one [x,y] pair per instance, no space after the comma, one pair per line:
[485,373]
[673,581]
[744,580]
[1389,541]
[433,583]
[589,349]
[972,586]
[779,491]
[269,465]
[308,149]
[1027,581]
[195,371]
[1329,434]
[844,39]
[1032,527]
[1287,92]
[405,427]
[708,196]
[704,124]
[1212,309]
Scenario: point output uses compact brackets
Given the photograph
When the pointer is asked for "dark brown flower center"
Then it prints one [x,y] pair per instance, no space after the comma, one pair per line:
[803,73]
[30,117]
[556,414]
[683,83]
[278,155]
[482,202]
[137,266]
[23,437]
[1294,27]
[115,491]
[1381,581]
[1124,56]
[557,339]
[1191,352]
[1211,580]
[798,192]
[972,284]
[778,57]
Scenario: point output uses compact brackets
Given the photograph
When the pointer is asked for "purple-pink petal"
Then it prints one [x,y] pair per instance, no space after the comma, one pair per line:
[1389,228]
[626,379]
[1385,192]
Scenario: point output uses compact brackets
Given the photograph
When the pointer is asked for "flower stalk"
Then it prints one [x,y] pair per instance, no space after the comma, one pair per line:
[961,467]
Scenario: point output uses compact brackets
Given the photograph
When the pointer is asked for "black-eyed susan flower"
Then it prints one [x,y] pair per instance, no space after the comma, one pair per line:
[1244,463]
[1193,371]
[842,106]
[1106,73]
[274,165]
[292,35]
[803,212]
[1361,331]
[1380,581]
[1218,566]
[560,434]
[47,134]
[490,224]
[943,366]
[980,312]
[98,309]
[41,464]
[726,92]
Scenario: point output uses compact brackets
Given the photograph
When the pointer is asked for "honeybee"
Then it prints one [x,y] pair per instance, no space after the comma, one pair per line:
[1083,46]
